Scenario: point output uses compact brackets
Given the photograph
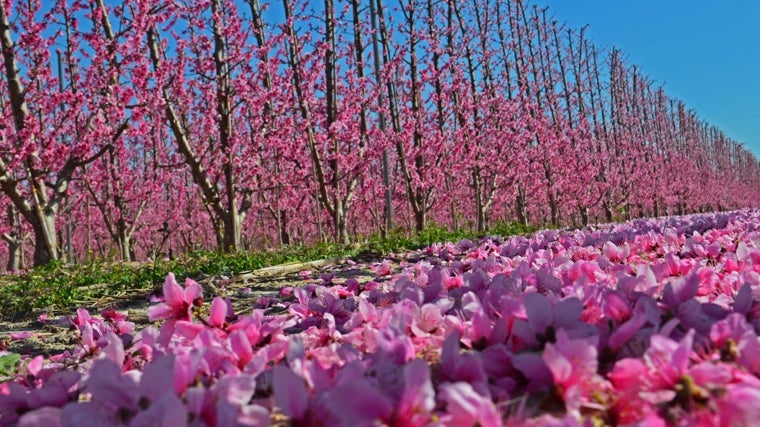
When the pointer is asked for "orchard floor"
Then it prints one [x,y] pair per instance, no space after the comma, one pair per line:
[32,336]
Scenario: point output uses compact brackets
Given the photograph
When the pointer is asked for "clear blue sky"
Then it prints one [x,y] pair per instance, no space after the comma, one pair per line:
[706,52]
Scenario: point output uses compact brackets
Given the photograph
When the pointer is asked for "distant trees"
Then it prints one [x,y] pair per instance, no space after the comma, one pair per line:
[55,126]
[151,126]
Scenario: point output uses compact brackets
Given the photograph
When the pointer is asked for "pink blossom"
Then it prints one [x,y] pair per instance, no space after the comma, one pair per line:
[290,392]
[45,416]
[466,407]
[573,364]
[178,303]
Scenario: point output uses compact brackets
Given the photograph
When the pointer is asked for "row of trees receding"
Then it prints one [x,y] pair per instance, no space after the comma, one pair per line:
[152,126]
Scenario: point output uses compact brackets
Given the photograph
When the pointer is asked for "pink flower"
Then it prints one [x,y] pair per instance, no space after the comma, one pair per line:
[395,345]
[290,392]
[178,303]
[110,388]
[460,366]
[453,282]
[418,397]
[18,336]
[656,380]
[113,348]
[384,269]
[573,364]
[47,416]
[358,403]
[544,320]
[740,406]
[616,306]
[733,328]
[466,407]
[427,319]
[218,312]
[668,360]
[56,391]
[167,411]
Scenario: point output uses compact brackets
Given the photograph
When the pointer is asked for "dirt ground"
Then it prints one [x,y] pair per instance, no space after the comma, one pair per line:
[31,336]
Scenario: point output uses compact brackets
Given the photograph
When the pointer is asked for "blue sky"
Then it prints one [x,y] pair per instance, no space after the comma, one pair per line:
[706,52]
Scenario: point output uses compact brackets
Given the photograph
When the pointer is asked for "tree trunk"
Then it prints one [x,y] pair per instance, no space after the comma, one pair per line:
[607,211]
[522,215]
[69,247]
[14,255]
[15,241]
[125,247]
[480,211]
[232,232]
[45,240]
[420,220]
[554,208]
[342,234]
[284,235]
[381,123]
[388,195]
[584,215]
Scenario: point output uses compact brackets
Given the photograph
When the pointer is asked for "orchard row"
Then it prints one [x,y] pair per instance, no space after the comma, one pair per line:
[146,127]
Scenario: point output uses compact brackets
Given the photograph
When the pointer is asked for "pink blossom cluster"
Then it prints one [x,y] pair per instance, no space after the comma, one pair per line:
[651,323]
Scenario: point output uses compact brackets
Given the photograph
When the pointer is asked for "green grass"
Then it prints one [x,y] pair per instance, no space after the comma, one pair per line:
[8,366]
[58,287]
[397,240]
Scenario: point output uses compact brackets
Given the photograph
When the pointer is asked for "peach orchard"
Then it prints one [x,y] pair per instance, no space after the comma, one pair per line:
[143,128]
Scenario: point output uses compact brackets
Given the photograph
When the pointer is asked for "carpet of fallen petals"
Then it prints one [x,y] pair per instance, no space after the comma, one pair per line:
[651,322]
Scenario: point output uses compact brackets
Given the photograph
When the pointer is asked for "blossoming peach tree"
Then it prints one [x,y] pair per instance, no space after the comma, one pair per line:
[651,321]
[129,128]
